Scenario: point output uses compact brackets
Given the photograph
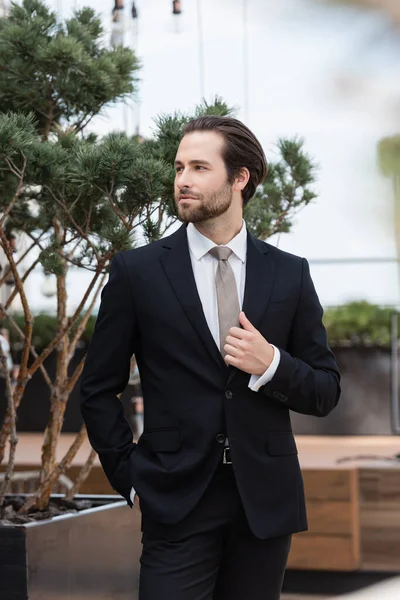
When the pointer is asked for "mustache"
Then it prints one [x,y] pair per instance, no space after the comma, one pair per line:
[187,192]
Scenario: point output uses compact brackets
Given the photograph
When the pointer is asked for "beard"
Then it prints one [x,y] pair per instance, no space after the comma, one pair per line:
[208,206]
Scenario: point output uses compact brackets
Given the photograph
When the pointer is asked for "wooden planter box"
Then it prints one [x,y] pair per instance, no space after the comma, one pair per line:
[93,554]
[353,507]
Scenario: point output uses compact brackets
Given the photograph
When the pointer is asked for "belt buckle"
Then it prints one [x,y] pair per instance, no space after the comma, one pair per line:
[225,459]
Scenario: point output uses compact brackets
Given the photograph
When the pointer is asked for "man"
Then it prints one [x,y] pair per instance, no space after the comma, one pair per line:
[228,338]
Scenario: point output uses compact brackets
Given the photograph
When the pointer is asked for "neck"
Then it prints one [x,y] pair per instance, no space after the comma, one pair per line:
[221,230]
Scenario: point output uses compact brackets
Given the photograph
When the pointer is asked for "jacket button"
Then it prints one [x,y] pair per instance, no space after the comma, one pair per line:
[228,395]
[220,438]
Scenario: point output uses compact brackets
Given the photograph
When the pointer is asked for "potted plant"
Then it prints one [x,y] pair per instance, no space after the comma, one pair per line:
[77,200]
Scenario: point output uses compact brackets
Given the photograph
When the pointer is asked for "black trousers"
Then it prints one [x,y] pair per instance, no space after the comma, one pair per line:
[212,554]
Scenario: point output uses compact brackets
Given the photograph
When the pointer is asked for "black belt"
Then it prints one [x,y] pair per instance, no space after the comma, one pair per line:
[226,456]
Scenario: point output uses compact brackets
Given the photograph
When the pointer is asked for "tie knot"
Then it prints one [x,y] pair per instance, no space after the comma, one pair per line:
[221,252]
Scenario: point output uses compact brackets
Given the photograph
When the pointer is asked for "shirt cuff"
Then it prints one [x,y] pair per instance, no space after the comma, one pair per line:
[132,496]
[256,382]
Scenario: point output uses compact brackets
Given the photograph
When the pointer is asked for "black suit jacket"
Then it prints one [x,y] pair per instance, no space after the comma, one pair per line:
[151,308]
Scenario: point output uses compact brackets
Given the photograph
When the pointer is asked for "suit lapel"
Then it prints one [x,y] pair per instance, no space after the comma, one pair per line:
[178,269]
[260,273]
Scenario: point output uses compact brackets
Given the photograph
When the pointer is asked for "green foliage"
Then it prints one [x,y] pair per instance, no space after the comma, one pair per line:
[358,324]
[389,156]
[287,189]
[51,260]
[17,134]
[94,191]
[60,72]
[54,78]
[168,128]
[44,331]
[218,108]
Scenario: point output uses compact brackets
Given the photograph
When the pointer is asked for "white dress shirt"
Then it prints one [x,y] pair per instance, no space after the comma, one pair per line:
[204,267]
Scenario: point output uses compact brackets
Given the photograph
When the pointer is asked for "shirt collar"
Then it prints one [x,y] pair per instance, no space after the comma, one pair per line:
[199,244]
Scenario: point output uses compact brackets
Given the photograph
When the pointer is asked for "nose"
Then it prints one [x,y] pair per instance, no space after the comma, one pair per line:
[183,179]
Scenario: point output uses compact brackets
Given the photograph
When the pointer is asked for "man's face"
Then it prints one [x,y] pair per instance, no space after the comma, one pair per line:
[202,189]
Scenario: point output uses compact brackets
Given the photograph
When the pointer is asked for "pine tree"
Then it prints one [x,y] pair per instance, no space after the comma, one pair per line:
[80,199]
[54,78]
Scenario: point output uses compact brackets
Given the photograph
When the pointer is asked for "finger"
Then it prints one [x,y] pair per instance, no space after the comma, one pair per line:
[232,351]
[245,323]
[239,333]
[232,360]
[235,342]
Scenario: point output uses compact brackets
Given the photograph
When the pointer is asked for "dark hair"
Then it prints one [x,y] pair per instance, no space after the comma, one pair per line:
[242,149]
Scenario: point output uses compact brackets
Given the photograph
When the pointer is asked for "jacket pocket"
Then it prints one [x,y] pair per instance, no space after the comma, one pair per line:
[281,443]
[166,440]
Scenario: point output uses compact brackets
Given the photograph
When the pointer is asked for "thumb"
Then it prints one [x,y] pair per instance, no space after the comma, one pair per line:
[245,323]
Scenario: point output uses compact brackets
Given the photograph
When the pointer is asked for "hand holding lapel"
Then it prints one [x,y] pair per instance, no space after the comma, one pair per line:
[247,350]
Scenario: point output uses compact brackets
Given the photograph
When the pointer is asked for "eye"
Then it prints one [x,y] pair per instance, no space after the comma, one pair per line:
[199,167]
[178,169]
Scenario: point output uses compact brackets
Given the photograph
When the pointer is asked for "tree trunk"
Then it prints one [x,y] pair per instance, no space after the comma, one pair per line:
[58,470]
[83,475]
[59,396]
[13,430]
[23,373]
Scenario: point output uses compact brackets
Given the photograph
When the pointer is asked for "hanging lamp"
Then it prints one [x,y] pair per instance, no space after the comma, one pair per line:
[176,7]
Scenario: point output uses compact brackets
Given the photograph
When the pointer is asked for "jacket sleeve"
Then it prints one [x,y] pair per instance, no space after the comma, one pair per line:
[106,374]
[307,379]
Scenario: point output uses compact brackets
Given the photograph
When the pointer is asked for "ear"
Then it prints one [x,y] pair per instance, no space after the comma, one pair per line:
[241,180]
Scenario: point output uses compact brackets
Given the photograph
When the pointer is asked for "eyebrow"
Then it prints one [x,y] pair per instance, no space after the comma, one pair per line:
[194,162]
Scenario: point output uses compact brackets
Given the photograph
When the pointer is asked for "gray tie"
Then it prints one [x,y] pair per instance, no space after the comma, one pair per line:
[227,295]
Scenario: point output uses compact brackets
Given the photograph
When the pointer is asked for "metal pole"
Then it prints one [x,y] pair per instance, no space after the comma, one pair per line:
[245,63]
[201,49]
[136,101]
